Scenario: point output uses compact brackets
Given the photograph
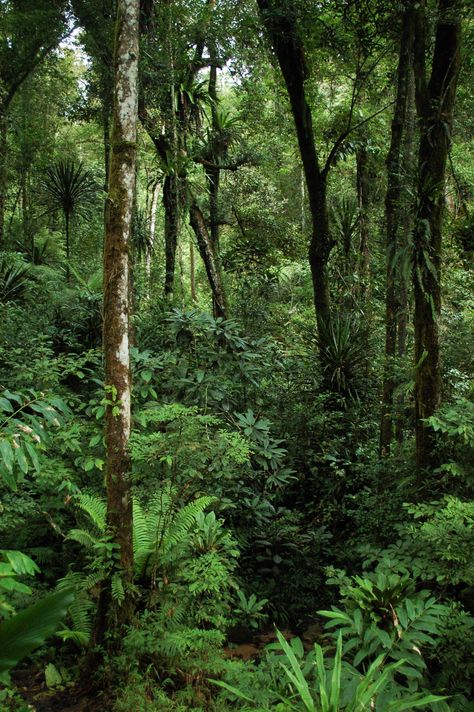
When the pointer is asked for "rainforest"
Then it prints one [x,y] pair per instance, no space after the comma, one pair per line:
[236,355]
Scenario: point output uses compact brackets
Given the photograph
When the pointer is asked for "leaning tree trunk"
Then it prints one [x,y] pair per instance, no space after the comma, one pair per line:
[206,251]
[392,218]
[118,226]
[435,104]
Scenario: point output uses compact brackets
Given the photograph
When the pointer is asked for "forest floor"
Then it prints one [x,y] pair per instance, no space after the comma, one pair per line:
[30,684]
[30,681]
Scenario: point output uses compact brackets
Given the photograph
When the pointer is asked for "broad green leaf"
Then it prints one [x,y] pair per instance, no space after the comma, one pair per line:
[231,689]
[24,632]
[6,452]
[21,460]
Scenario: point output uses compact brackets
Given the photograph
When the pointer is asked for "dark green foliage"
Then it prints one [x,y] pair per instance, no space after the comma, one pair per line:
[259,495]
[14,280]
[68,187]
[26,630]
[343,355]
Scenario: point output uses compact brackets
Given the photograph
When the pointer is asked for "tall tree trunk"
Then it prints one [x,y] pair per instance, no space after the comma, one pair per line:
[3,177]
[68,245]
[106,139]
[206,251]
[151,235]
[289,51]
[435,104]
[407,222]
[363,200]
[192,272]
[392,218]
[118,227]
[213,175]
[171,205]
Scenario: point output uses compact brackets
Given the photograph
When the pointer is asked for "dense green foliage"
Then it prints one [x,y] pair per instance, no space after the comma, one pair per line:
[282,560]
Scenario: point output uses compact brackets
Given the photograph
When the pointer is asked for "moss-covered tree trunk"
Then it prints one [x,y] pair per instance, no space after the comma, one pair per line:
[118,226]
[435,104]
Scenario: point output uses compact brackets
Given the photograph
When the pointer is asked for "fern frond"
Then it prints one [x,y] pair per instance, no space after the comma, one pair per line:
[95,508]
[93,579]
[141,559]
[184,520]
[160,505]
[116,587]
[141,533]
[81,615]
[82,537]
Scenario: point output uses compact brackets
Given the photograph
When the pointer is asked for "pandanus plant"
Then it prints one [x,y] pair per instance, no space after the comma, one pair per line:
[68,187]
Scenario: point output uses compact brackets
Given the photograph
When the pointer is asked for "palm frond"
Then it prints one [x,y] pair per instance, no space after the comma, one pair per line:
[69,187]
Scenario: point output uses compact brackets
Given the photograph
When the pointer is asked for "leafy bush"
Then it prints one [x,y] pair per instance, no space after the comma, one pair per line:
[316,683]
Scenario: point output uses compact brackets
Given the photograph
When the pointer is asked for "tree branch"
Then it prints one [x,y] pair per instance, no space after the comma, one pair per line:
[340,140]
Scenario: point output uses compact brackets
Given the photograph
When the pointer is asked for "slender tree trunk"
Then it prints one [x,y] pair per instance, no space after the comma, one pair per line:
[192,271]
[68,245]
[408,207]
[392,217]
[213,175]
[289,51]
[3,178]
[151,237]
[363,199]
[106,139]
[435,104]
[171,205]
[118,227]
[206,251]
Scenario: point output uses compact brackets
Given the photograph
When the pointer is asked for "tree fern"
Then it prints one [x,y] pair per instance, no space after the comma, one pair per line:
[158,531]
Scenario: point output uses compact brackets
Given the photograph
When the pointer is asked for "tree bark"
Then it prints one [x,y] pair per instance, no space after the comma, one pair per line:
[118,227]
[206,251]
[392,218]
[435,104]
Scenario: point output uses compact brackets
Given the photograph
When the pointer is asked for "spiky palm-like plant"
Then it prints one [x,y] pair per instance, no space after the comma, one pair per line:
[342,354]
[13,280]
[68,187]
